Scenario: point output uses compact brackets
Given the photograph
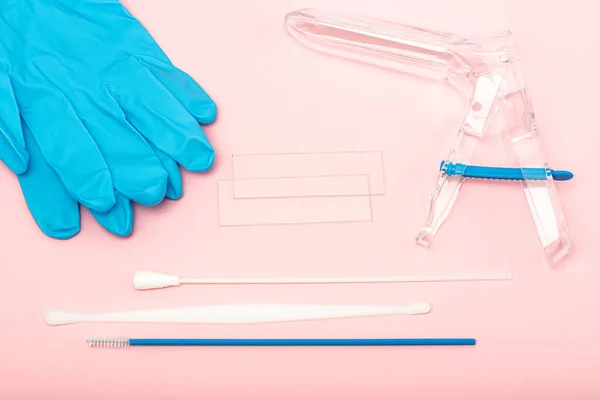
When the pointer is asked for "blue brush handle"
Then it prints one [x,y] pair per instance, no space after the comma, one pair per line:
[515,174]
[303,342]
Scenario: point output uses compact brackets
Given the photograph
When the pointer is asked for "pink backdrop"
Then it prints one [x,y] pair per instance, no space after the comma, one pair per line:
[537,335]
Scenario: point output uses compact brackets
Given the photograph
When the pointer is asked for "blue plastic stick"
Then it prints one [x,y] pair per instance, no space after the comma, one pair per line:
[518,174]
[304,342]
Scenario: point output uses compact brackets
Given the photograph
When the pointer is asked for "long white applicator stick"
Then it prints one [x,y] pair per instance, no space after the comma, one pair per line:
[237,314]
[144,280]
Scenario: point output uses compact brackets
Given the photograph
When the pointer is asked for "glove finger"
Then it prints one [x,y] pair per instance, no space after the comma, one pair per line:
[174,184]
[157,115]
[137,172]
[67,147]
[55,212]
[184,88]
[119,220]
[12,144]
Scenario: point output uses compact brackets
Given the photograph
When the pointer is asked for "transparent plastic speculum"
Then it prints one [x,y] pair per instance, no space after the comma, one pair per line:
[485,70]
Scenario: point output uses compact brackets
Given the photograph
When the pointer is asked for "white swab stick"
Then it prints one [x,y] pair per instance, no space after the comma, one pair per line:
[144,280]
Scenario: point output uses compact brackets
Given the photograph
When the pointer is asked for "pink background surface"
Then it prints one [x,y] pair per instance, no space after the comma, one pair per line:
[537,335]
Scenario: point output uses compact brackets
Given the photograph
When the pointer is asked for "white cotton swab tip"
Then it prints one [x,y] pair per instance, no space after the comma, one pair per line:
[145,280]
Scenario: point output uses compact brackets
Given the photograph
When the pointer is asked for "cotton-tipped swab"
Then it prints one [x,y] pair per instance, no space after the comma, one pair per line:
[145,280]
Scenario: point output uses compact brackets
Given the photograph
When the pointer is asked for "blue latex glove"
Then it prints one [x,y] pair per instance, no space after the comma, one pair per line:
[88,97]
[57,213]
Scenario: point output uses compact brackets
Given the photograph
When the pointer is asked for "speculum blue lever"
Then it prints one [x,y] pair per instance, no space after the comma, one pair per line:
[514,174]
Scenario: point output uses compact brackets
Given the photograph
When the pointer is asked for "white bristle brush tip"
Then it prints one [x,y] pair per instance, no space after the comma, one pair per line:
[108,343]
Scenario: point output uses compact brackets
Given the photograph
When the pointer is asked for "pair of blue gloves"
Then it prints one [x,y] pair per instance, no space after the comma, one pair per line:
[93,113]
